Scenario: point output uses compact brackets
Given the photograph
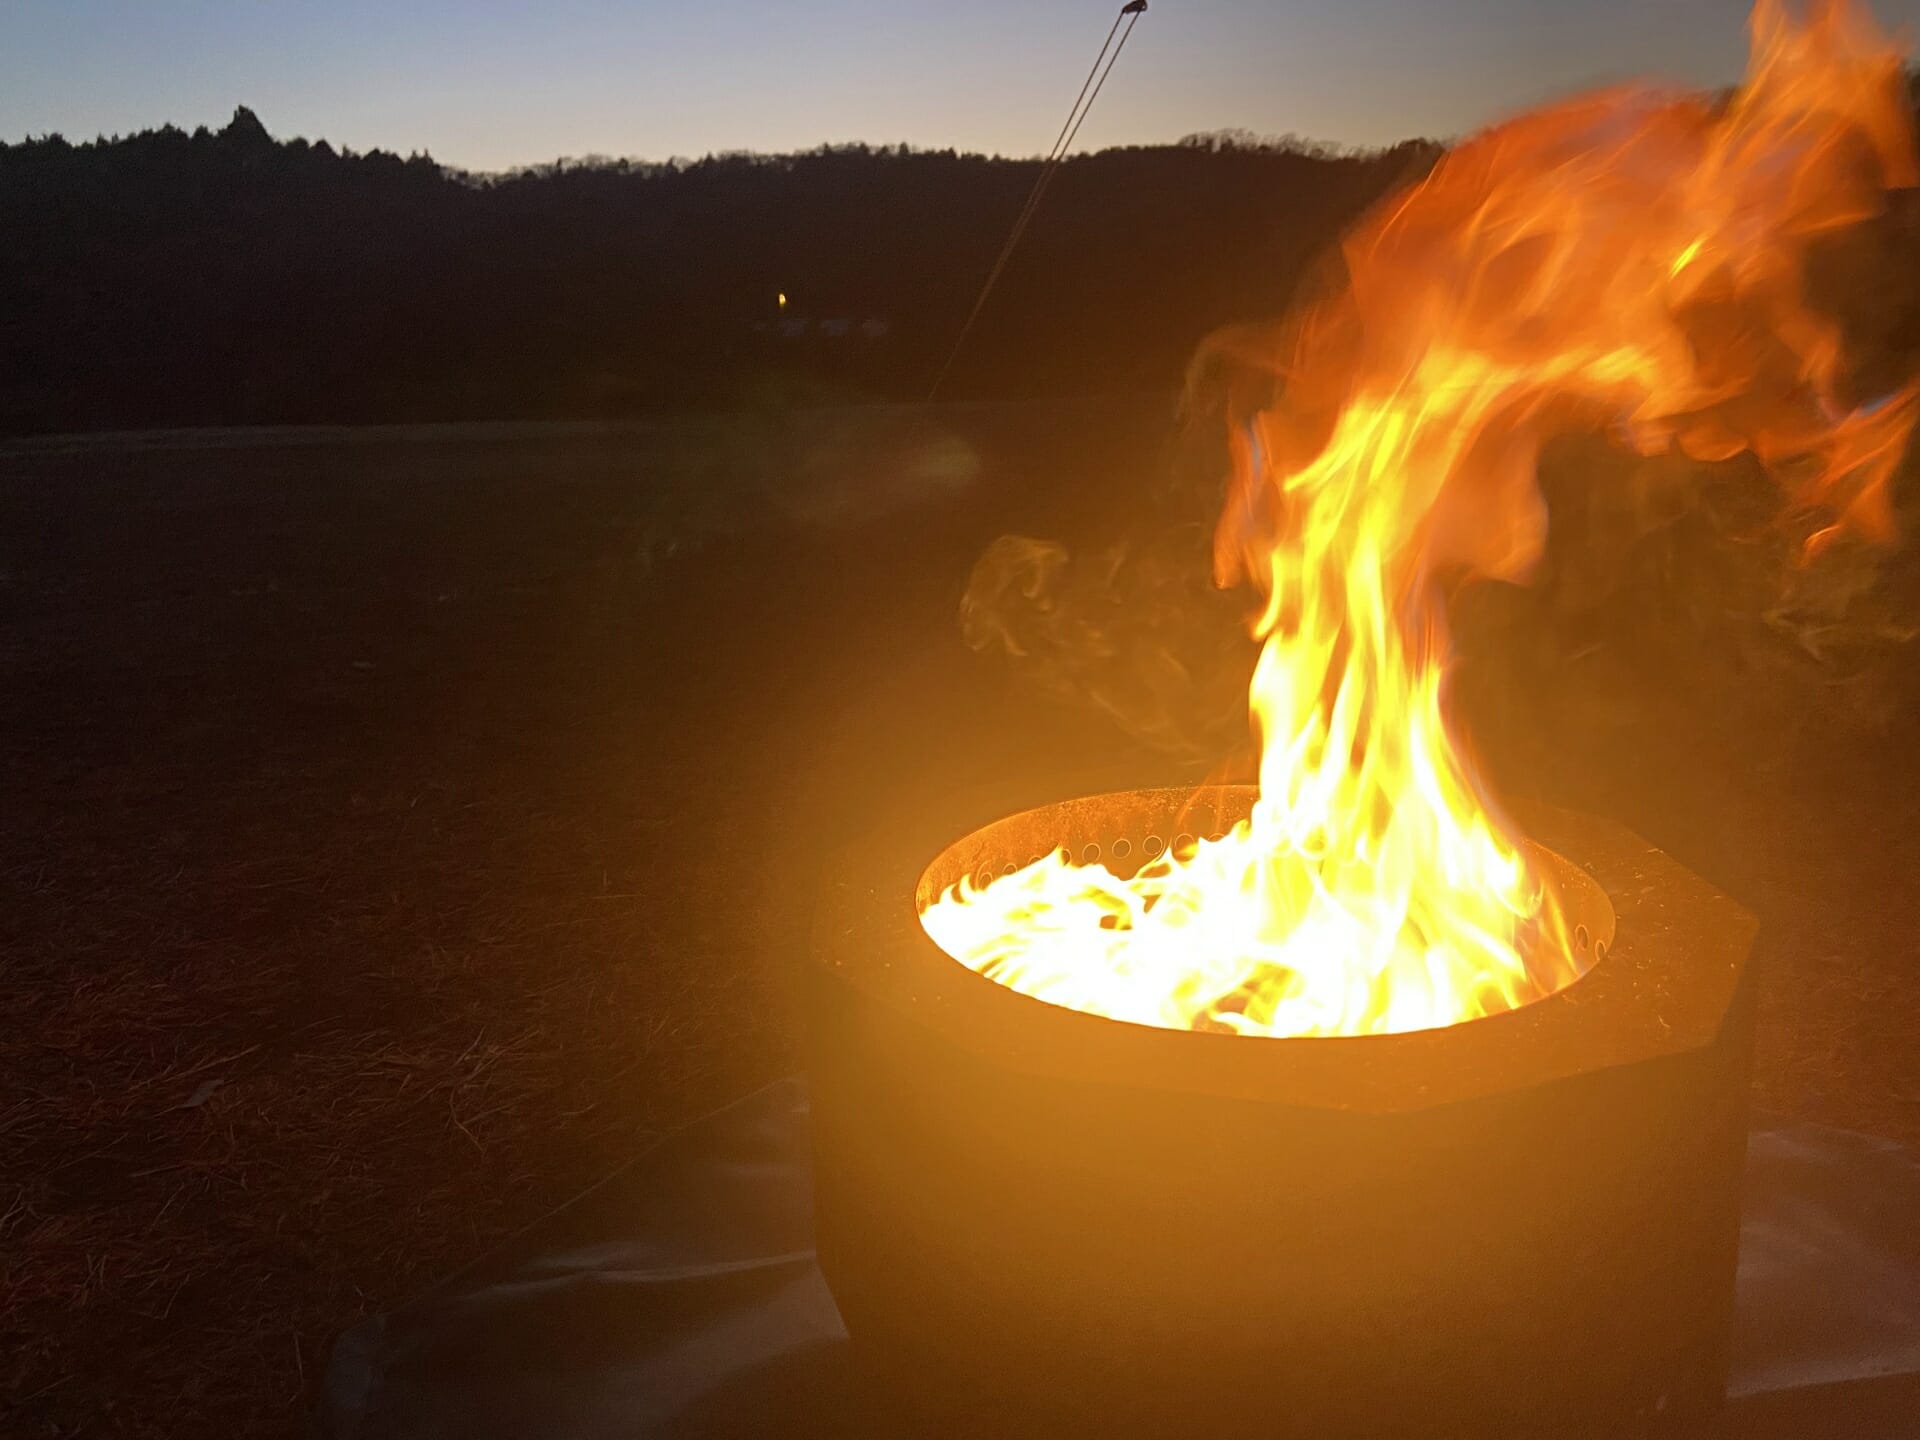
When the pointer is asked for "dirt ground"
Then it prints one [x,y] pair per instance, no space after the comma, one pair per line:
[401,830]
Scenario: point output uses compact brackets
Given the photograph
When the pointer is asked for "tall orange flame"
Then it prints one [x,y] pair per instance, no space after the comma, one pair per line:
[1627,259]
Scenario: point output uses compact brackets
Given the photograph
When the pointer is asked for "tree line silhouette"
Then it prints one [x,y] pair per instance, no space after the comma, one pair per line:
[223,277]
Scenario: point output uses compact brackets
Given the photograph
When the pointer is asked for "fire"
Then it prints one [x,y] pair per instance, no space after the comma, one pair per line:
[1628,260]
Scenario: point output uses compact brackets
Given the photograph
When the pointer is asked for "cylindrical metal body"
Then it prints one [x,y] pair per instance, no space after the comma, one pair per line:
[1038,1219]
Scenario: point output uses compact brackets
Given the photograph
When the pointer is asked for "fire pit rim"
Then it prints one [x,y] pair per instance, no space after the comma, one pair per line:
[1663,987]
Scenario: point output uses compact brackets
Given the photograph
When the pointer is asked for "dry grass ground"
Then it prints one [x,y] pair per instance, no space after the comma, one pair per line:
[400,832]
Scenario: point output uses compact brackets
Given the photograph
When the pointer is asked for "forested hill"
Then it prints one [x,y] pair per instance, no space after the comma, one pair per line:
[226,277]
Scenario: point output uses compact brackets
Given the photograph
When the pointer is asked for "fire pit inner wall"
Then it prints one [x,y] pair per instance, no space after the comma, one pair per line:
[1036,1218]
[1125,833]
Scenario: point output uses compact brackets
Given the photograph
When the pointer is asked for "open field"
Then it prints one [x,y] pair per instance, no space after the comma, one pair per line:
[401,829]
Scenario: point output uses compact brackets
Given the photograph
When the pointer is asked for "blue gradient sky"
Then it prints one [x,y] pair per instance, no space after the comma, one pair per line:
[488,85]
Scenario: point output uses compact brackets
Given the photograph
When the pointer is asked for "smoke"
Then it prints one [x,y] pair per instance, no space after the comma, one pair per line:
[1131,625]
[1658,572]
[1136,630]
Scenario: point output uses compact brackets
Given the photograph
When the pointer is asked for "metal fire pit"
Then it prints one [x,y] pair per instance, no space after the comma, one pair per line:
[1041,1220]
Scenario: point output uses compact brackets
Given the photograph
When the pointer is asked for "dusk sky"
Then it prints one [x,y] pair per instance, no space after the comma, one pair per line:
[489,85]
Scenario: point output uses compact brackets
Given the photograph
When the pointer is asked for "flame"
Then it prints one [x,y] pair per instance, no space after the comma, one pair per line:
[1628,259]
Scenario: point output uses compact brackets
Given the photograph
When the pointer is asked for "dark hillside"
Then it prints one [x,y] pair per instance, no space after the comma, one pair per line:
[227,278]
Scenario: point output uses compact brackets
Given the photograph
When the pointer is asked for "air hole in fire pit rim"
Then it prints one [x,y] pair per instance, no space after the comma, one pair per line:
[1155,845]
[1122,848]
[1580,937]
[1089,854]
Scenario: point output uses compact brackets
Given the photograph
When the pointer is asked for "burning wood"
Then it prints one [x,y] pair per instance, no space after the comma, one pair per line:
[1628,260]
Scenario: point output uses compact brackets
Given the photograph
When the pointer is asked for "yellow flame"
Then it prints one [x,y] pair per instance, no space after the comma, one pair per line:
[1626,259]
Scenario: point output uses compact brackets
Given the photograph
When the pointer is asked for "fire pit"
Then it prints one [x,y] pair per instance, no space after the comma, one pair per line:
[1523,1220]
[1336,1106]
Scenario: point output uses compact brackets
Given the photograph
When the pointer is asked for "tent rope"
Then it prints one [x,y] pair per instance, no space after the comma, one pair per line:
[1070,129]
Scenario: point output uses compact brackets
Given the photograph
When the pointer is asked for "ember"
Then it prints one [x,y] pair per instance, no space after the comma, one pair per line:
[1629,260]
